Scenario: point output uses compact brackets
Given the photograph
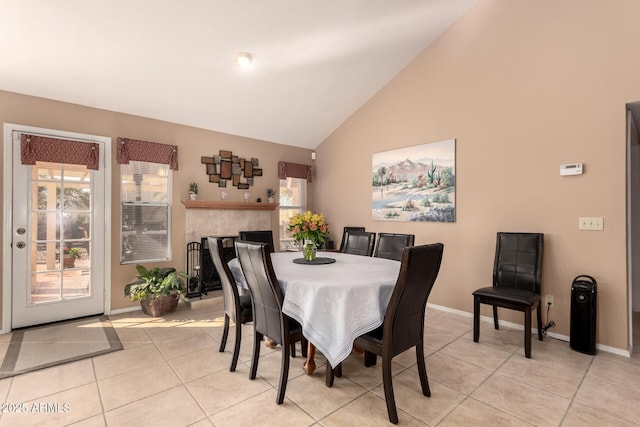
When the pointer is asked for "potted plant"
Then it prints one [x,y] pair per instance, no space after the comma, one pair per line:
[158,290]
[271,195]
[69,256]
[193,190]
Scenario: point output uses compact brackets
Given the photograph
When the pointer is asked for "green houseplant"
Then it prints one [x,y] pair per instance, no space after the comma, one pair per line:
[158,290]
[193,190]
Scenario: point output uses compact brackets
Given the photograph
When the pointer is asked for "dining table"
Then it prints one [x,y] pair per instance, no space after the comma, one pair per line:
[337,301]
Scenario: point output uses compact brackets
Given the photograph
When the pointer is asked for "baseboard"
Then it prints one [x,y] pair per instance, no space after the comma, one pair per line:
[125,310]
[517,326]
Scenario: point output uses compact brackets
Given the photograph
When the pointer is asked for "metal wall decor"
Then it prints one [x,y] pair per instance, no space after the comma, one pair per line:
[225,168]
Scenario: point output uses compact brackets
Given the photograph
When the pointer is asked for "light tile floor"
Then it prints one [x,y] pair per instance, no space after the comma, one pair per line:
[171,374]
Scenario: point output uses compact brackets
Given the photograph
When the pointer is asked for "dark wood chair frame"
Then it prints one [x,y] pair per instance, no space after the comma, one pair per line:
[391,245]
[267,300]
[237,308]
[354,246]
[345,232]
[403,325]
[260,236]
[516,283]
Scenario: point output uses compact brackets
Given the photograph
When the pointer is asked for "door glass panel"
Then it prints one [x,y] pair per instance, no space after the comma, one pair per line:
[45,287]
[61,224]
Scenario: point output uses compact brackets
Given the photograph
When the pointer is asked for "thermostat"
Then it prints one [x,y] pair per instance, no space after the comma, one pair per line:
[571,169]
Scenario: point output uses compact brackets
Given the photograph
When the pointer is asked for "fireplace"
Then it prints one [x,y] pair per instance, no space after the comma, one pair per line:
[225,220]
[209,277]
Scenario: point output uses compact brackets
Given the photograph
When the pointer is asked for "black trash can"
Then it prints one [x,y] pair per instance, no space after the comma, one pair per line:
[584,292]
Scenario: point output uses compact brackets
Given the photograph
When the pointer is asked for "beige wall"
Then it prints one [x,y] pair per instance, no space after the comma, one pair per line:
[524,86]
[192,142]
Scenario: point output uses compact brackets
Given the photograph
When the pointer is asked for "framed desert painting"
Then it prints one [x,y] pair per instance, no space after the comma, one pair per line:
[416,183]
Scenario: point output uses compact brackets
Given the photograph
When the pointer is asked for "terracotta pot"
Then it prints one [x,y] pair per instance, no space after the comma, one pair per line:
[68,261]
[156,307]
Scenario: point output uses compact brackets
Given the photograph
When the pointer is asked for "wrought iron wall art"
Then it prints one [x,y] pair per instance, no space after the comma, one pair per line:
[225,168]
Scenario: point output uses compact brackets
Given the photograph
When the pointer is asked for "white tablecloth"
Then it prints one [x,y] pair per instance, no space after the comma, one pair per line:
[336,303]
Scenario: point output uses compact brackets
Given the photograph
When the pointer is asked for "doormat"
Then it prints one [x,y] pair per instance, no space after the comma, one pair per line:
[62,342]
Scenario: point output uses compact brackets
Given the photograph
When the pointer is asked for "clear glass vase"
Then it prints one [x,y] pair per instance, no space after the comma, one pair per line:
[309,250]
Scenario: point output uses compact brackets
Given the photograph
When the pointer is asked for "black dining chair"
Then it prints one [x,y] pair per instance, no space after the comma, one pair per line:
[345,232]
[517,270]
[391,245]
[359,243]
[403,325]
[261,236]
[267,300]
[237,308]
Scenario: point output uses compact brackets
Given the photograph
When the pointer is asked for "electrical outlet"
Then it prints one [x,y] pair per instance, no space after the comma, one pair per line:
[548,299]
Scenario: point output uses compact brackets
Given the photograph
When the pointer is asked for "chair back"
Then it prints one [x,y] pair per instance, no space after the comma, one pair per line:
[261,236]
[266,295]
[518,261]
[391,245]
[345,232]
[359,243]
[403,325]
[229,287]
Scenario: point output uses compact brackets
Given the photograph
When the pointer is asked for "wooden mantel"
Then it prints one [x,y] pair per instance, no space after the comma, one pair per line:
[211,204]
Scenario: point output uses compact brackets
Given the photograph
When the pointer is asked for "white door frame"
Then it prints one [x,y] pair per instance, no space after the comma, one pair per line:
[7,202]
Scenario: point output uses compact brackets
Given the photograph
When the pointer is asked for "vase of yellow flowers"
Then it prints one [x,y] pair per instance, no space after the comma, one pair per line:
[310,229]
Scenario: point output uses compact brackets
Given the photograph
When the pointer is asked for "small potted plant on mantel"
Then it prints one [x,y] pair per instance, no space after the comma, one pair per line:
[158,290]
[193,190]
[271,195]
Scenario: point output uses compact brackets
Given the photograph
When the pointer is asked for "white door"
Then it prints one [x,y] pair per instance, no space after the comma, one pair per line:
[58,240]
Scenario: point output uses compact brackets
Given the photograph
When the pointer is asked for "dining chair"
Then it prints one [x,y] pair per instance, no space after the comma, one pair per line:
[237,308]
[261,236]
[359,243]
[403,325]
[345,232]
[391,245]
[267,300]
[517,271]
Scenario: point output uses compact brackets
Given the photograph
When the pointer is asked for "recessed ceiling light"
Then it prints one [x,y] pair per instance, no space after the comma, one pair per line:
[243,59]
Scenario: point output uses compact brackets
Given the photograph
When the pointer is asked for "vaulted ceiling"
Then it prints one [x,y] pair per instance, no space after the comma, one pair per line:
[314,62]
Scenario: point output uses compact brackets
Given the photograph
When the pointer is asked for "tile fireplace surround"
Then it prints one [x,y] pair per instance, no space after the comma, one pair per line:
[209,218]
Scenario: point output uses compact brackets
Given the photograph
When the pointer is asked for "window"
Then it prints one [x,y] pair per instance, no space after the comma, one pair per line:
[293,200]
[145,190]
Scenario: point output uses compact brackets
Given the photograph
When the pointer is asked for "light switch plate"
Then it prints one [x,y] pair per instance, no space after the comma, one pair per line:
[591,223]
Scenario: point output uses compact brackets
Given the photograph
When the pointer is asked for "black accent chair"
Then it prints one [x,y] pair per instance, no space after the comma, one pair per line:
[237,308]
[391,245]
[267,300]
[516,282]
[403,325]
[260,236]
[359,243]
[345,232]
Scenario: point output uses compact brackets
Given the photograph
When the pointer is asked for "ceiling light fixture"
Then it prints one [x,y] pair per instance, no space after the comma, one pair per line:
[243,59]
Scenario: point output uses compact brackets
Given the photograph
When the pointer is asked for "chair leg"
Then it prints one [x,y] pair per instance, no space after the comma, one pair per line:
[236,348]
[257,337]
[293,349]
[388,390]
[476,319]
[527,332]
[329,375]
[422,369]
[539,311]
[305,345]
[369,358]
[495,317]
[225,333]
[284,375]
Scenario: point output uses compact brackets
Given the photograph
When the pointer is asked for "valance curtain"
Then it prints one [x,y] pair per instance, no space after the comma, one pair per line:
[45,149]
[145,151]
[294,170]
